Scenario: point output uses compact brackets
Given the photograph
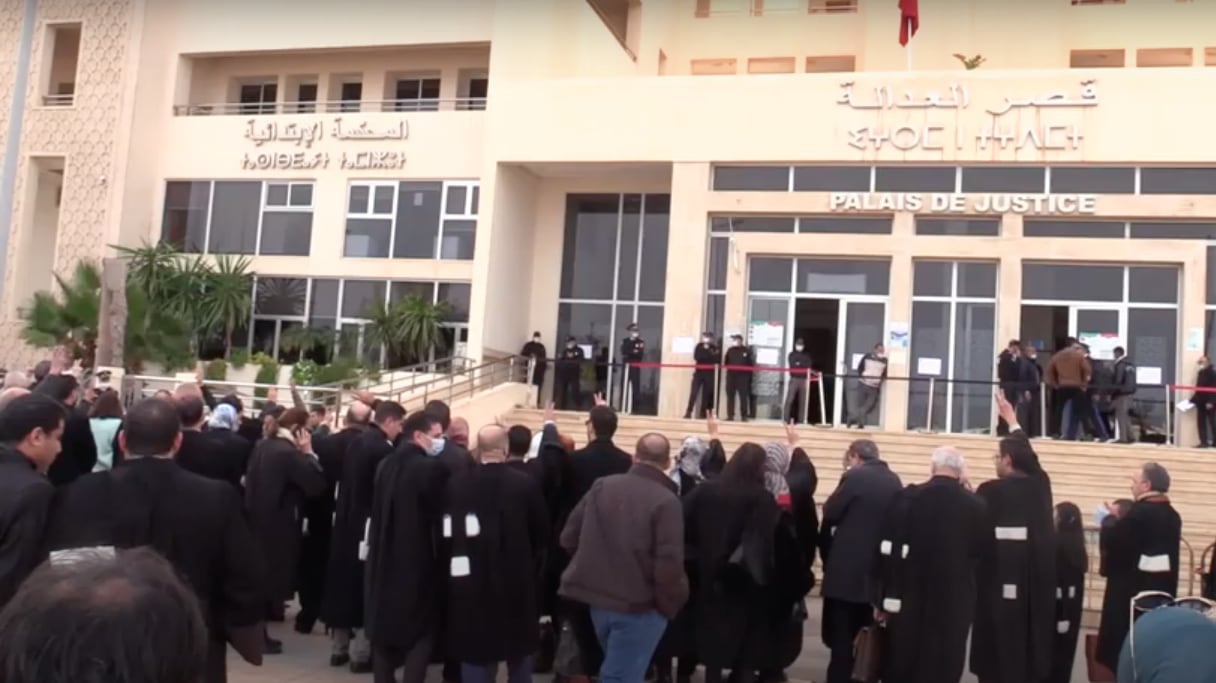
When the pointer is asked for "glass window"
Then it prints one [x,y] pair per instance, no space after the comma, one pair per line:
[367,237]
[930,339]
[263,336]
[588,253]
[932,278]
[727,224]
[652,285]
[843,276]
[1046,228]
[914,178]
[359,297]
[650,324]
[1153,342]
[456,295]
[1004,179]
[301,194]
[971,227]
[719,259]
[589,324]
[715,315]
[417,229]
[832,178]
[323,306]
[1093,179]
[399,291]
[1173,231]
[1072,282]
[1152,285]
[769,274]
[287,233]
[280,296]
[187,205]
[1211,276]
[751,178]
[1209,323]
[974,341]
[857,226]
[1179,180]
[459,239]
[630,240]
[976,280]
[234,217]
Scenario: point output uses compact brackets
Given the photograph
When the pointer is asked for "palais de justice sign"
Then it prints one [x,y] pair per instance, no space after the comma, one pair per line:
[940,134]
[294,142]
[966,204]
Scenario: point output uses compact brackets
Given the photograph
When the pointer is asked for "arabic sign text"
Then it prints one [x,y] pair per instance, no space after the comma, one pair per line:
[966,204]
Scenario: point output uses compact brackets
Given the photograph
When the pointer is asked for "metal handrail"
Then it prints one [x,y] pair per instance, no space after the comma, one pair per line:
[473,378]
[452,360]
[330,106]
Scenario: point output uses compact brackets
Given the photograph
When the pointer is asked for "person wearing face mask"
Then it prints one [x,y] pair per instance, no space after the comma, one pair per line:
[871,372]
[706,356]
[405,572]
[569,366]
[799,393]
[534,352]
[633,349]
[739,360]
[1205,402]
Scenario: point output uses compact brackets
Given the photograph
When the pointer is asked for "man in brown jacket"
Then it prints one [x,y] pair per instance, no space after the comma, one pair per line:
[1069,373]
[626,541]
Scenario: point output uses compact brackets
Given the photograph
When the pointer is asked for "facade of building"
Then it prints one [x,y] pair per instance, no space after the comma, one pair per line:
[781,169]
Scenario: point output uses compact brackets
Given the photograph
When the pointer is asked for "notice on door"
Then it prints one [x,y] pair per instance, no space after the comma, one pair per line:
[898,337]
[763,333]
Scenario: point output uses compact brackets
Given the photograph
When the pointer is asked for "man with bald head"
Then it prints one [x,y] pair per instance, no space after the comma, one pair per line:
[626,539]
[11,394]
[932,541]
[496,536]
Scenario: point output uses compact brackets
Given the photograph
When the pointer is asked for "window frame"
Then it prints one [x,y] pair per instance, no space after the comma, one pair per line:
[263,208]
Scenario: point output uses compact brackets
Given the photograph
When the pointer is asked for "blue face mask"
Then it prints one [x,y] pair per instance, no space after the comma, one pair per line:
[437,444]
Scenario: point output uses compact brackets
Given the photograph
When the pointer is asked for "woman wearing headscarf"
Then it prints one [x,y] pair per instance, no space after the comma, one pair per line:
[224,441]
[791,580]
[1072,562]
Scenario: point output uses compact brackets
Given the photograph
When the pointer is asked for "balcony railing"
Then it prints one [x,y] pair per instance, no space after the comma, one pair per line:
[337,106]
[758,8]
[58,100]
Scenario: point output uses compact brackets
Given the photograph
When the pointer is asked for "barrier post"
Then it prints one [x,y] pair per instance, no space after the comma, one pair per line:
[823,416]
[929,412]
[627,387]
[1169,414]
[717,392]
[531,369]
[1042,409]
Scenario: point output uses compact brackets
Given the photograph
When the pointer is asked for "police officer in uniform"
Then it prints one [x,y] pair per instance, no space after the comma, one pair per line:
[632,350]
[706,353]
[799,394]
[739,382]
[569,366]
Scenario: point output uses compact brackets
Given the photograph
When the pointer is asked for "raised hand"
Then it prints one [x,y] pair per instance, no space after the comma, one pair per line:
[550,412]
[1004,409]
[711,424]
[304,441]
[599,400]
[791,434]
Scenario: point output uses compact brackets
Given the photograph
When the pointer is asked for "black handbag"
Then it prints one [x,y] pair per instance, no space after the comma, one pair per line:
[868,650]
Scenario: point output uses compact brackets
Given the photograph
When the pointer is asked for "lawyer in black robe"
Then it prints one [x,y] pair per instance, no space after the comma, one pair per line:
[280,478]
[932,542]
[1015,616]
[1139,553]
[1072,561]
[342,606]
[535,351]
[405,572]
[496,531]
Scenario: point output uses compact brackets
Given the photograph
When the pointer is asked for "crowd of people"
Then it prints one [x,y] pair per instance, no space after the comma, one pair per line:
[415,544]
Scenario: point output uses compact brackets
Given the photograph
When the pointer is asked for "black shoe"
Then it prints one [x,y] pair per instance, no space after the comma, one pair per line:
[687,416]
[339,660]
[304,627]
[273,647]
[360,667]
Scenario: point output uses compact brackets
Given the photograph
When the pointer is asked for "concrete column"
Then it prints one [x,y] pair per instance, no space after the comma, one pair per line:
[899,310]
[687,243]
[12,145]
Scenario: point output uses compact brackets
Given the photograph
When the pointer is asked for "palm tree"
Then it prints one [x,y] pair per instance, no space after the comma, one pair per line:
[229,295]
[153,333]
[151,267]
[408,329]
[69,320]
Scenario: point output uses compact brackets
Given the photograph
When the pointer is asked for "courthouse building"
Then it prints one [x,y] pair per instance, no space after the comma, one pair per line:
[778,168]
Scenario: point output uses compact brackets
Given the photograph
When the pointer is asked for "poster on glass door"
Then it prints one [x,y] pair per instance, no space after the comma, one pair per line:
[1101,344]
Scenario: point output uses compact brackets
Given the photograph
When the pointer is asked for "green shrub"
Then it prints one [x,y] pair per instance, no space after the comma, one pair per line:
[344,370]
[268,372]
[305,373]
[216,370]
[238,358]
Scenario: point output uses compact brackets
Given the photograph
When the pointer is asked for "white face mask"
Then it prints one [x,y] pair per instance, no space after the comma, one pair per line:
[798,347]
[536,339]
[706,340]
[738,343]
[634,335]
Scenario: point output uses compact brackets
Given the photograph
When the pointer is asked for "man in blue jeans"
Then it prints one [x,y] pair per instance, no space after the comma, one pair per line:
[626,541]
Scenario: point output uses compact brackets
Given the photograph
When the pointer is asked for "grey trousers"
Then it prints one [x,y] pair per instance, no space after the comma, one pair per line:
[1123,418]
[865,400]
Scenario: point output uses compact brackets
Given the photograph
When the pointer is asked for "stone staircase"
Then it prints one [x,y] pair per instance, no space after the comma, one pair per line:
[1085,473]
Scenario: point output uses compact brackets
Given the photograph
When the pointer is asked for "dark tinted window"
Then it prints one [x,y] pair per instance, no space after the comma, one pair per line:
[719,257]
[656,217]
[752,224]
[323,307]
[1003,179]
[769,274]
[862,226]
[914,178]
[589,251]
[280,296]
[932,278]
[287,233]
[971,227]
[185,220]
[456,295]
[360,296]
[1152,284]
[752,178]
[1037,228]
[459,239]
[418,208]
[843,276]
[234,218]
[1178,181]
[631,237]
[976,279]
[1093,179]
[832,178]
[1072,282]
[1174,231]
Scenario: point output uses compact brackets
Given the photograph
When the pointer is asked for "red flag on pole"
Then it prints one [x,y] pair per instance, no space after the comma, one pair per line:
[909,20]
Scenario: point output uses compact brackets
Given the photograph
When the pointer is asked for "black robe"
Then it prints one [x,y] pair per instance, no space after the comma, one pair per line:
[932,542]
[212,455]
[406,576]
[496,531]
[730,606]
[318,515]
[79,451]
[1015,616]
[1135,550]
[280,478]
[1071,565]
[342,605]
[535,349]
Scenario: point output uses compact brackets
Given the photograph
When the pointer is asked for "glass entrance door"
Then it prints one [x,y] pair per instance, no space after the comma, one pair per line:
[863,324]
[767,326]
[1100,328]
